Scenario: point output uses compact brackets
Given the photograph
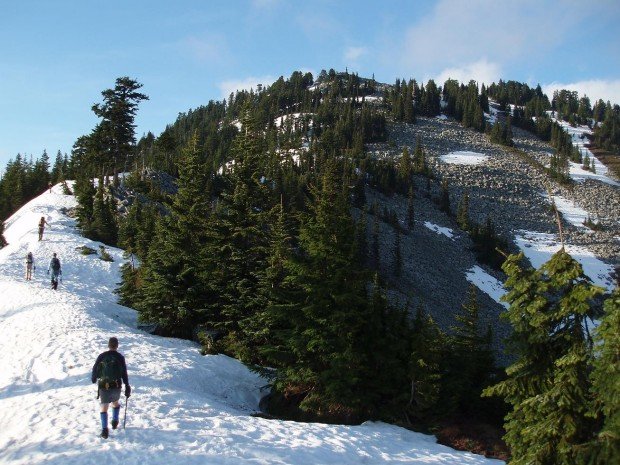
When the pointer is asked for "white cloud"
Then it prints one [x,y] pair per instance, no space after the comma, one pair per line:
[594,88]
[205,49]
[233,85]
[352,54]
[481,71]
[457,33]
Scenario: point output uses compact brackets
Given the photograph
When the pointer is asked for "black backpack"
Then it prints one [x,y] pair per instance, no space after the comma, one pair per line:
[55,264]
[109,372]
[29,258]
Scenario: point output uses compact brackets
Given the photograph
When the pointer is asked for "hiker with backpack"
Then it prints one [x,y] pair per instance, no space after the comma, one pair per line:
[42,224]
[56,270]
[110,372]
[29,266]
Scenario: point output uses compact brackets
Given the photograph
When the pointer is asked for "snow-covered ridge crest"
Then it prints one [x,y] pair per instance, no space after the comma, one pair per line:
[185,408]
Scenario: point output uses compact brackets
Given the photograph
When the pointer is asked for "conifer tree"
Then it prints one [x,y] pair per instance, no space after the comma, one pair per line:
[410,208]
[405,170]
[330,311]
[398,258]
[444,198]
[471,361]
[605,377]
[117,113]
[85,193]
[103,226]
[238,248]
[547,386]
[462,214]
[376,249]
[427,347]
[173,292]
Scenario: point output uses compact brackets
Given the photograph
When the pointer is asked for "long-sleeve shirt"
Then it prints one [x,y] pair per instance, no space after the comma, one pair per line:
[121,362]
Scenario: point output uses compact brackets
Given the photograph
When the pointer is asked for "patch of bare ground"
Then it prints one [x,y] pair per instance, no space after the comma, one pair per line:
[610,160]
[474,436]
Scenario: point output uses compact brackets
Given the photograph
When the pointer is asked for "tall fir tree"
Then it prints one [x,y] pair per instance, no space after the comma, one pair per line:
[328,317]
[471,362]
[547,386]
[605,448]
[425,373]
[173,286]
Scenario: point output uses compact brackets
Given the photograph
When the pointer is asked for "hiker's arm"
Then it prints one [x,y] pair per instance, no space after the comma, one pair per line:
[124,375]
[93,376]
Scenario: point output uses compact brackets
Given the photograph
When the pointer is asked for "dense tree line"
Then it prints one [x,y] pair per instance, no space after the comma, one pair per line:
[24,179]
[531,107]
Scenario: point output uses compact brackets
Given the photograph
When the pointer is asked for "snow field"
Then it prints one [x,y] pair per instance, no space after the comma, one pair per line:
[540,247]
[464,158]
[185,408]
[486,283]
[449,233]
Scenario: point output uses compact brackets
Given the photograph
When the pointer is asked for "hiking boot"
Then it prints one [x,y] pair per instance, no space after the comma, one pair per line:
[104,433]
[114,424]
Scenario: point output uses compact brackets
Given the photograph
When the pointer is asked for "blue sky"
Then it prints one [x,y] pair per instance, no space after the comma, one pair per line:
[57,56]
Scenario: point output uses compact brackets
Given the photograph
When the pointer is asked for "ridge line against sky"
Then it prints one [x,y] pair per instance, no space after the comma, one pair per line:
[57,57]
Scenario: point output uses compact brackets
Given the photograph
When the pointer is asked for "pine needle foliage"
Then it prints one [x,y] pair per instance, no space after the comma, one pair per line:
[547,386]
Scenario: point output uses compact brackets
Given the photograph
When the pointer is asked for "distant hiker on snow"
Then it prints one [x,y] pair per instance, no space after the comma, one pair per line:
[3,242]
[29,266]
[56,271]
[42,224]
[108,372]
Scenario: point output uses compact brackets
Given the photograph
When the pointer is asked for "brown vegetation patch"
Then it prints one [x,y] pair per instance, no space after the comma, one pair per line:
[476,437]
[610,160]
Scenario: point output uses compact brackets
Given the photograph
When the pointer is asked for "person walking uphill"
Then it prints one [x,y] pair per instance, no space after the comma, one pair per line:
[108,372]
[42,224]
[29,266]
[56,270]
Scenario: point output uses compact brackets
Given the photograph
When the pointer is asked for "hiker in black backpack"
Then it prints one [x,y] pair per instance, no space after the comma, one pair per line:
[108,372]
[29,266]
[56,271]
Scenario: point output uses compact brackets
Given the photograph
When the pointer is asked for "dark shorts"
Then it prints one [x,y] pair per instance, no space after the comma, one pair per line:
[107,396]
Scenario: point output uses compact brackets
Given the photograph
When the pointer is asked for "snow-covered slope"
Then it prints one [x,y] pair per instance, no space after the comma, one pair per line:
[185,408]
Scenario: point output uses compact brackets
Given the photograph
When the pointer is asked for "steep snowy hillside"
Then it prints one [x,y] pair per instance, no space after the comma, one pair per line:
[185,408]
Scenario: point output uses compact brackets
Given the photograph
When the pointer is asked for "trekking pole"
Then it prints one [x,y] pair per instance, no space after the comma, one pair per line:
[125,415]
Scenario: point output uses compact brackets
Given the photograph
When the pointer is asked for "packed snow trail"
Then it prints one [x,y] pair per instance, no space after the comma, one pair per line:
[185,408]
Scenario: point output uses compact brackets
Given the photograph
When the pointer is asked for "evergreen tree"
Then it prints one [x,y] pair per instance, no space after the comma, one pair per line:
[427,347]
[410,208]
[85,194]
[103,225]
[471,361]
[238,248]
[330,311]
[173,286]
[605,377]
[547,386]
[444,198]
[405,170]
[462,215]
[398,258]
[117,113]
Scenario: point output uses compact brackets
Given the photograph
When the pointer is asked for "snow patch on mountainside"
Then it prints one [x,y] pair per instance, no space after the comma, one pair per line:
[464,158]
[540,247]
[486,283]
